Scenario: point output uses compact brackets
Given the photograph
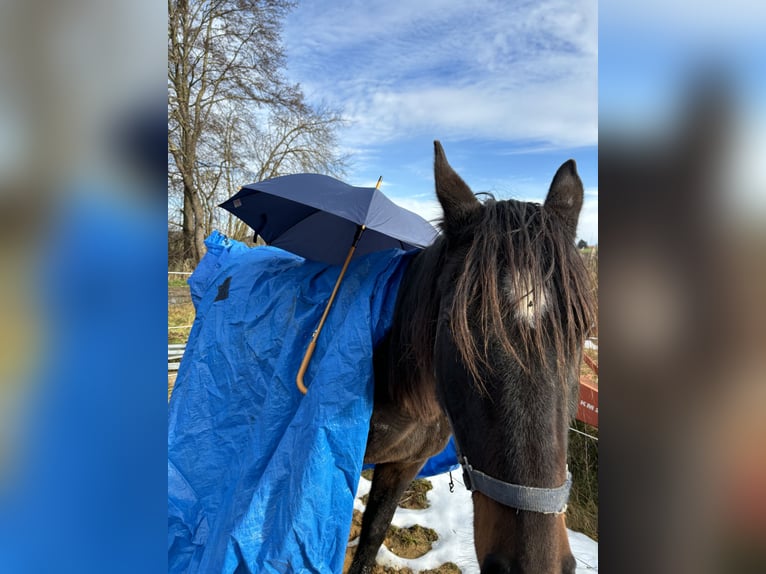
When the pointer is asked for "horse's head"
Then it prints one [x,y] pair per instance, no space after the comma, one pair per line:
[515,305]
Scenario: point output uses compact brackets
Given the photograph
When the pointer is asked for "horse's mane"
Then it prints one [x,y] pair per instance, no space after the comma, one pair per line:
[512,247]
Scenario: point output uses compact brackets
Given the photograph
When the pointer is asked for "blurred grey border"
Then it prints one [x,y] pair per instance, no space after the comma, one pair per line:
[83,103]
[682,101]
[682,266]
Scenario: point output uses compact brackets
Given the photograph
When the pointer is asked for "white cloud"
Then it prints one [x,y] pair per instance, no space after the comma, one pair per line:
[519,76]
[490,110]
[464,70]
[587,227]
[428,209]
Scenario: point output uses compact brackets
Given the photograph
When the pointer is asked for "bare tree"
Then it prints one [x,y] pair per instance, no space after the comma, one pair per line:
[288,142]
[232,116]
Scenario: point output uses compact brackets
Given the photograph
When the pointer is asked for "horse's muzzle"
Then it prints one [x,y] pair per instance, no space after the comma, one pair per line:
[499,564]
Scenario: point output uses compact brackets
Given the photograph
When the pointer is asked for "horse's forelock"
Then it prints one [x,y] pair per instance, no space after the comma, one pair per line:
[520,255]
[517,253]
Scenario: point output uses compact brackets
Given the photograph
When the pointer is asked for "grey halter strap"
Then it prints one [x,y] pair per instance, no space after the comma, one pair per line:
[529,498]
[542,500]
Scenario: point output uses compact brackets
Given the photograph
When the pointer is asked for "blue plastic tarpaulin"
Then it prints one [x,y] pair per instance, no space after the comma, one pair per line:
[260,477]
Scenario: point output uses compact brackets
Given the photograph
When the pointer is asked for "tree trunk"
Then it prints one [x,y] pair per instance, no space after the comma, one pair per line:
[187,230]
[221,86]
[197,231]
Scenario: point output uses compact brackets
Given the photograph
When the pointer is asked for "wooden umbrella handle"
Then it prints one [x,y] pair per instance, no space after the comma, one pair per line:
[305,363]
[315,335]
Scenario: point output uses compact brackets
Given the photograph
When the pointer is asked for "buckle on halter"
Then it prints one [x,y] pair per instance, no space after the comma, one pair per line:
[467,469]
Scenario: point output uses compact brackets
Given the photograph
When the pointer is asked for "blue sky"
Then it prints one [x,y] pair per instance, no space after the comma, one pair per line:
[649,52]
[510,89]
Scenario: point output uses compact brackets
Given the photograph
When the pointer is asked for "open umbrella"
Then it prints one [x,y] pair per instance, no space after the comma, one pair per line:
[323,219]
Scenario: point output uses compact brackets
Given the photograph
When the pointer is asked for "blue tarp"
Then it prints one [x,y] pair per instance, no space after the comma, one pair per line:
[260,477]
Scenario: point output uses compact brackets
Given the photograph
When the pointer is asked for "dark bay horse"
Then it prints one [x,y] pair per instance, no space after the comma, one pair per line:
[486,343]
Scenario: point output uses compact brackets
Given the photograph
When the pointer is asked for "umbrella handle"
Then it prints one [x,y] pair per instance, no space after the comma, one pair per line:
[305,362]
[315,335]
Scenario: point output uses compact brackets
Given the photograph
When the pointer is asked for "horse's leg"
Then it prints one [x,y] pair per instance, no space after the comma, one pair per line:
[389,481]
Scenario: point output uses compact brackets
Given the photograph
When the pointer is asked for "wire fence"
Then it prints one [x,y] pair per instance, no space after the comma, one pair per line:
[180,317]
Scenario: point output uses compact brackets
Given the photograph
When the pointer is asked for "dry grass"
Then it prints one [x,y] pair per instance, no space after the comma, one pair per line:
[446,568]
[181,315]
[590,257]
[413,498]
[582,512]
[356,525]
[406,542]
[411,542]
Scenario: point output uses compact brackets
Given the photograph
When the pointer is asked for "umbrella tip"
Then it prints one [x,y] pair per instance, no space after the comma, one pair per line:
[380,180]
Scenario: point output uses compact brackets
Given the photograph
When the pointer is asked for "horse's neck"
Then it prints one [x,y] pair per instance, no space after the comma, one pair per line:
[413,331]
[404,360]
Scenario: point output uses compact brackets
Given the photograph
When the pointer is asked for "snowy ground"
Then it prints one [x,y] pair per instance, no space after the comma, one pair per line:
[451,516]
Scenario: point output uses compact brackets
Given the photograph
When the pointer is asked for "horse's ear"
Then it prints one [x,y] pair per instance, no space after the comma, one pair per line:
[565,196]
[456,198]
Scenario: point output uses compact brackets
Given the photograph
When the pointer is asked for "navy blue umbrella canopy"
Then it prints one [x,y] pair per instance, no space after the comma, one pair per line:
[317,217]
[323,219]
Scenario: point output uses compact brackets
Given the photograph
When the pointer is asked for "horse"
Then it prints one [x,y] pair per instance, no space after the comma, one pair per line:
[486,343]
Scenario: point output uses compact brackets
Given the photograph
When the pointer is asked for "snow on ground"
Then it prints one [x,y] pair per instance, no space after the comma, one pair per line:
[451,516]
